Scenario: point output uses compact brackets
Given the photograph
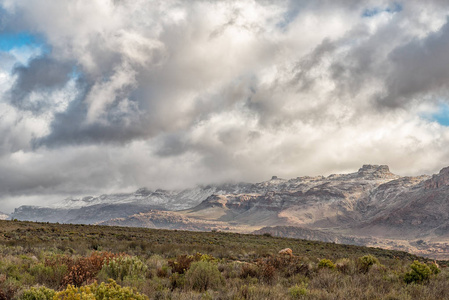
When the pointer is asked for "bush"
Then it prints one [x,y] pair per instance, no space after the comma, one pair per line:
[85,269]
[268,273]
[177,280]
[50,276]
[181,264]
[420,272]
[249,270]
[123,267]
[203,275]
[297,291]
[344,265]
[326,263]
[41,293]
[365,262]
[94,291]
[162,271]
[434,268]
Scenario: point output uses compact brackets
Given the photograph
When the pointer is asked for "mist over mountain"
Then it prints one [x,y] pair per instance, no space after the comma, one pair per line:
[371,207]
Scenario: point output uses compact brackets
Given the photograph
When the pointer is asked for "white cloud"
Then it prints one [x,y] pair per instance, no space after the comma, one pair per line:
[178,93]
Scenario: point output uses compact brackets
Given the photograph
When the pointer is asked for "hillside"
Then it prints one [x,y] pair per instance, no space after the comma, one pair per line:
[161,264]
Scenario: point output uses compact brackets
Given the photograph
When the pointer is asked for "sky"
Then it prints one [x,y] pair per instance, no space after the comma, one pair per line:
[105,96]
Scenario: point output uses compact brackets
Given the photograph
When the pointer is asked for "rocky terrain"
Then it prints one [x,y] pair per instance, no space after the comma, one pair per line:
[371,207]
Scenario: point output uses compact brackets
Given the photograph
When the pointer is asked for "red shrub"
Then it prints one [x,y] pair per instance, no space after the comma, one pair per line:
[181,264]
[84,269]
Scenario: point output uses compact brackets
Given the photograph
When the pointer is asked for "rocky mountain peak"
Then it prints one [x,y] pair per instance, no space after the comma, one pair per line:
[375,171]
[438,180]
[444,171]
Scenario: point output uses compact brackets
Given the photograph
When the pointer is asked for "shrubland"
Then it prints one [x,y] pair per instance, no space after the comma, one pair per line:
[63,261]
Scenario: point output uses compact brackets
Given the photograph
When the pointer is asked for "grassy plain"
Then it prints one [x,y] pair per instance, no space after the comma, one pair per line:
[167,264]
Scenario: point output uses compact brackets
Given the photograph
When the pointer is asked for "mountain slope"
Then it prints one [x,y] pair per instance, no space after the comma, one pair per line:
[369,207]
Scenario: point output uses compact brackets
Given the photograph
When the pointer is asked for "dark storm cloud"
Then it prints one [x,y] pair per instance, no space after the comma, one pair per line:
[303,79]
[42,74]
[70,127]
[419,67]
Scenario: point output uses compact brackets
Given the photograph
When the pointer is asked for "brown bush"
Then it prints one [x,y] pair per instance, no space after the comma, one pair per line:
[268,273]
[181,264]
[58,260]
[286,265]
[84,269]
[3,295]
[249,270]
[162,272]
[9,291]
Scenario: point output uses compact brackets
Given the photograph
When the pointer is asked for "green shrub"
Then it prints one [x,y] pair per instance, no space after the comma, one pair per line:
[16,269]
[248,292]
[204,257]
[94,291]
[344,265]
[326,263]
[177,280]
[50,276]
[420,272]
[203,275]
[41,293]
[297,291]
[434,268]
[365,262]
[182,263]
[123,267]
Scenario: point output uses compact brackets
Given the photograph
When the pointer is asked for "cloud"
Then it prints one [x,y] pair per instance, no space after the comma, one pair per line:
[420,68]
[41,75]
[176,93]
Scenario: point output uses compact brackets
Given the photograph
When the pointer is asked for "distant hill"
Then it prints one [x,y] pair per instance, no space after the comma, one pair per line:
[371,207]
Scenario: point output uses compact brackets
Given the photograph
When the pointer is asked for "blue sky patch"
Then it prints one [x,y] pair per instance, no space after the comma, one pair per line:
[9,41]
[371,12]
[289,16]
[441,116]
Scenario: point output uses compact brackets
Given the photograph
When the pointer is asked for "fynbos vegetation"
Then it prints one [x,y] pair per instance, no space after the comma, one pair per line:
[51,261]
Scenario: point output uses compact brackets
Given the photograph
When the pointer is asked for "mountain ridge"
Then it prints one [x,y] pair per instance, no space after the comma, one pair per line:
[369,207]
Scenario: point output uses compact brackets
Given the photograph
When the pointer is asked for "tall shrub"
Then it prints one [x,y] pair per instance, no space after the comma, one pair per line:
[203,275]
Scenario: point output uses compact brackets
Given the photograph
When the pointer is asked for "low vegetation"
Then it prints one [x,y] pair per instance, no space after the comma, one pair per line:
[62,261]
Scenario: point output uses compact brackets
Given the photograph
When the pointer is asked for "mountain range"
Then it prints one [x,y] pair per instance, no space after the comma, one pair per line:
[371,207]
